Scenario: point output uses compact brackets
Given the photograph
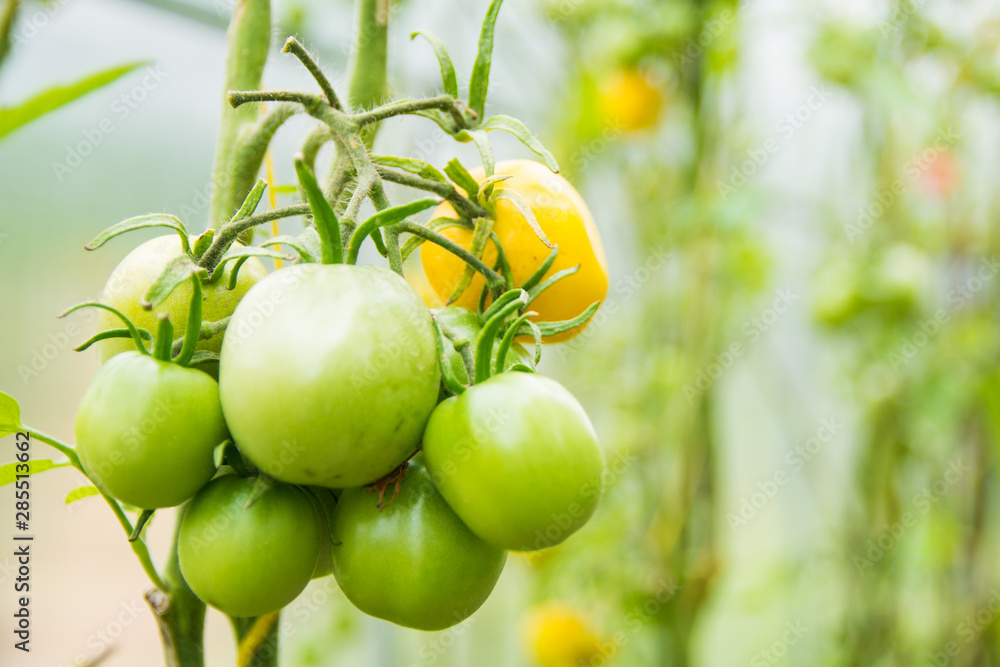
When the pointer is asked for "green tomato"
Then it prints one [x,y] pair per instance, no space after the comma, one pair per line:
[413,563]
[517,459]
[467,324]
[145,430]
[329,373]
[248,561]
[129,280]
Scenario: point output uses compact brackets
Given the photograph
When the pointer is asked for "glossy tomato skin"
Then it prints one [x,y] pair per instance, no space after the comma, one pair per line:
[517,459]
[413,563]
[248,561]
[563,216]
[129,280]
[145,430]
[328,374]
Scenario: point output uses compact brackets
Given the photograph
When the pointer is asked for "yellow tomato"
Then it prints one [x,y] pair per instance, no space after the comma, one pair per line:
[558,636]
[628,101]
[566,221]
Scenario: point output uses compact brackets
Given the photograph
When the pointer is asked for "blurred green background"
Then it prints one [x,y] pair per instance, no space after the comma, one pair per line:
[793,376]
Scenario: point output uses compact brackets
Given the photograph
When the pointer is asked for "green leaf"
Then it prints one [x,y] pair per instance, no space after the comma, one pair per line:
[550,281]
[524,135]
[298,244]
[111,333]
[10,415]
[542,269]
[285,189]
[136,336]
[203,242]
[443,120]
[482,141]
[11,118]
[480,81]
[444,61]
[388,216]
[142,222]
[248,251]
[480,235]
[8,471]
[553,328]
[324,219]
[522,207]
[179,270]
[412,165]
[461,177]
[249,204]
[81,493]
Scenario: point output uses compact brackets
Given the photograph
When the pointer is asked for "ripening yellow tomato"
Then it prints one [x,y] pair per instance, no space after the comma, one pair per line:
[563,216]
[627,100]
[558,636]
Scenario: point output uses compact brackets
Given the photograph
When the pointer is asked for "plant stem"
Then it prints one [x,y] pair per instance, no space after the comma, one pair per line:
[441,102]
[492,277]
[231,230]
[369,85]
[257,639]
[249,40]
[179,614]
[465,207]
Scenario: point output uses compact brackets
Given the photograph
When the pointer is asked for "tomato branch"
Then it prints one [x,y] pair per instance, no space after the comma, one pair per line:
[232,229]
[493,278]
[465,207]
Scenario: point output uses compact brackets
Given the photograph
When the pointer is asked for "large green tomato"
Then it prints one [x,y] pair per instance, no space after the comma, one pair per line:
[145,430]
[248,561]
[517,459]
[413,563]
[328,374]
[129,280]
[467,324]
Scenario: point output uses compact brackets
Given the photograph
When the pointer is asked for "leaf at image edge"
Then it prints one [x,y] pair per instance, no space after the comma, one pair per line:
[11,118]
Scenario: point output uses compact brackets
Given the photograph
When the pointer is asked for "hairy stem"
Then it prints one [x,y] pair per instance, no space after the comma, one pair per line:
[231,231]
[248,41]
[465,207]
[368,81]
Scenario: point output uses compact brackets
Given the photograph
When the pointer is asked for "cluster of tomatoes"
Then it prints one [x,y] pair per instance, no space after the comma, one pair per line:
[337,423]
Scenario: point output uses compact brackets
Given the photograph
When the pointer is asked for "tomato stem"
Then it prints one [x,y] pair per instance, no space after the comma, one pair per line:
[235,171]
